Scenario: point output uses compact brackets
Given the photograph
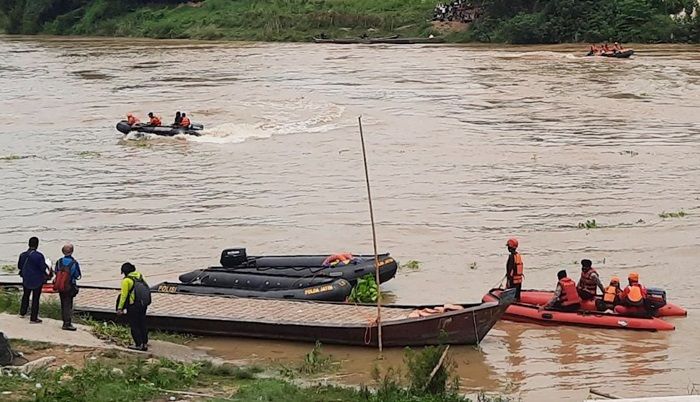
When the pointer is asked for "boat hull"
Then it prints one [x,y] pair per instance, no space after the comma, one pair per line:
[165,131]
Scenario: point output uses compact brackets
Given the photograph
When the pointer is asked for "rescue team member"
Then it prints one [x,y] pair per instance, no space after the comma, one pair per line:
[136,314]
[185,122]
[131,119]
[611,295]
[589,281]
[566,296]
[178,119]
[514,268]
[632,299]
[154,120]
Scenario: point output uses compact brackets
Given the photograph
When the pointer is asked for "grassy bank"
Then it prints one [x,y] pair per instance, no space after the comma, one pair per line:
[273,20]
[109,375]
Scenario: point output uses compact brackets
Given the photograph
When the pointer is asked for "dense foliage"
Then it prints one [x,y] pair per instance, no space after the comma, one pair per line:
[557,21]
[513,21]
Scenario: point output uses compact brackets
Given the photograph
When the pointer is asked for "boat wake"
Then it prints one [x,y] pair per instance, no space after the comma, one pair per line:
[540,55]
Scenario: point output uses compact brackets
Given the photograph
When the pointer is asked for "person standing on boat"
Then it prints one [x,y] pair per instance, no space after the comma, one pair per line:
[566,296]
[514,268]
[133,304]
[34,272]
[589,282]
[154,120]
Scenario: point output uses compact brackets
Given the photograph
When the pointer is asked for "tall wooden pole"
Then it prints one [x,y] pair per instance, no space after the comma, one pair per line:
[374,239]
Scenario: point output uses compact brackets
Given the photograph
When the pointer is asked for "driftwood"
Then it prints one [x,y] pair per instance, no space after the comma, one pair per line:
[603,394]
[170,391]
[437,366]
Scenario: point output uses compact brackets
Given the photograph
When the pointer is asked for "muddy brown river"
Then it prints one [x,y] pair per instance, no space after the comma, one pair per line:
[468,145]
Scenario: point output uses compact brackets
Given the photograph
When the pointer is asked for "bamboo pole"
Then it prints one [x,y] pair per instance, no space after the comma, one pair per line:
[374,239]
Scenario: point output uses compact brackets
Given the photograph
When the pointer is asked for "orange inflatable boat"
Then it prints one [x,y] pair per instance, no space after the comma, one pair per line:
[523,312]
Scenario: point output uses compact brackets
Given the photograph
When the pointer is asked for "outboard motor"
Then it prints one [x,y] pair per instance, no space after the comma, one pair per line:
[656,298]
[197,126]
[233,257]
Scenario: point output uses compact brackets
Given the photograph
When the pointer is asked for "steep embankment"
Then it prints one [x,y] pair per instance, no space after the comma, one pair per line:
[272,20]
[521,21]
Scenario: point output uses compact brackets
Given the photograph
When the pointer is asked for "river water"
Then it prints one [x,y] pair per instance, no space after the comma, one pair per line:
[467,146]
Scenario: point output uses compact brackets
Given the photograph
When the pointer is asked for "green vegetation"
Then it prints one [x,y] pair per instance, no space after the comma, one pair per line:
[366,290]
[274,20]
[15,157]
[413,265]
[679,214]
[588,224]
[9,268]
[557,21]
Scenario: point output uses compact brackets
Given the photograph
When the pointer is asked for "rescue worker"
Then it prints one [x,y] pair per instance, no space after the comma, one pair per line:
[131,119]
[135,314]
[185,122]
[514,268]
[153,119]
[632,299]
[178,119]
[589,281]
[611,295]
[566,296]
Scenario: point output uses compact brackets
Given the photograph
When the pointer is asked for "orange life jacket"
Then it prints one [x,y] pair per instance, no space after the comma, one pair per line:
[587,283]
[635,294]
[569,294]
[131,120]
[155,121]
[518,273]
[185,122]
[338,258]
[611,292]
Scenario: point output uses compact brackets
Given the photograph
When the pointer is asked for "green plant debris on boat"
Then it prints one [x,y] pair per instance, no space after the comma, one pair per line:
[366,290]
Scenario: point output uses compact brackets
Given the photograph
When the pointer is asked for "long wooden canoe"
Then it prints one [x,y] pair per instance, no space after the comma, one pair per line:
[335,323]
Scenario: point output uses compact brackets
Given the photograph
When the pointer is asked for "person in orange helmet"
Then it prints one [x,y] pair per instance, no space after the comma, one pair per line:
[514,268]
[611,295]
[131,119]
[154,120]
[633,297]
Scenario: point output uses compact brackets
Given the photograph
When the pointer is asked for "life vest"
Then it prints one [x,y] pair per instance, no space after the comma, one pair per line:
[155,121]
[185,122]
[587,283]
[131,120]
[635,294]
[569,296]
[610,294]
[518,273]
[335,259]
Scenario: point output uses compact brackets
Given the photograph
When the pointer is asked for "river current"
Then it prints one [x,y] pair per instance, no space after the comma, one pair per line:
[467,146]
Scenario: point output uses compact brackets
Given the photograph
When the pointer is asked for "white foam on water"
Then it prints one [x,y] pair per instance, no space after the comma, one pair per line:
[231,133]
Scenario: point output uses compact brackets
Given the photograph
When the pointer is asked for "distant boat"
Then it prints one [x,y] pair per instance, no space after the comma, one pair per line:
[625,54]
[396,40]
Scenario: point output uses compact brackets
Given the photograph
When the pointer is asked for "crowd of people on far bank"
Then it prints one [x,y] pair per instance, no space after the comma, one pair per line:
[569,295]
[181,120]
[36,270]
[456,11]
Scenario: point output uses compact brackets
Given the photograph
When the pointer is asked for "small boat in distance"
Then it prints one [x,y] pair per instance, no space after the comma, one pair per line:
[167,131]
[625,54]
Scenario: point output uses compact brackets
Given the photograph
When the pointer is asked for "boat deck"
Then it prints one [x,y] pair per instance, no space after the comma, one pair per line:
[242,309]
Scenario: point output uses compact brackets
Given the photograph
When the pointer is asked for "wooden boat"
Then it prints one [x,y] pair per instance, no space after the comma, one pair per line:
[310,321]
[523,312]
[396,40]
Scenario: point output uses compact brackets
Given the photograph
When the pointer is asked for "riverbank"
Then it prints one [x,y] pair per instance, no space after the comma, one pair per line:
[301,20]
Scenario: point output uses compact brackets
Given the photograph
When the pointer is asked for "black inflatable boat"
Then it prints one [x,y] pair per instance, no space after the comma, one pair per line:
[625,54]
[166,131]
[238,268]
[324,289]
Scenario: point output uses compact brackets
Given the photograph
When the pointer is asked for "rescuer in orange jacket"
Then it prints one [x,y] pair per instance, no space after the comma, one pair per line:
[131,119]
[566,296]
[611,295]
[185,122]
[589,281]
[154,120]
[514,268]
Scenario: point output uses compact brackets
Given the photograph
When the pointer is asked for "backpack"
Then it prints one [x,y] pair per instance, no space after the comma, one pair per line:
[62,282]
[6,354]
[142,293]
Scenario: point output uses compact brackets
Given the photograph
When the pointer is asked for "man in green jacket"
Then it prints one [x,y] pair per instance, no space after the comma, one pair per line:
[135,312]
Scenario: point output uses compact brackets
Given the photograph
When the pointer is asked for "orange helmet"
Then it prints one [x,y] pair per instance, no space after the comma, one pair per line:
[633,276]
[512,243]
[615,280]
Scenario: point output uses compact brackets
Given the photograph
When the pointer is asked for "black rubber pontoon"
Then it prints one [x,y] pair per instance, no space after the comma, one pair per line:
[625,54]
[166,131]
[327,290]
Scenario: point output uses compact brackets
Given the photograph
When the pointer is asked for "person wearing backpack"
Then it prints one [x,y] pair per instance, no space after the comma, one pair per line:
[34,271]
[65,283]
[134,299]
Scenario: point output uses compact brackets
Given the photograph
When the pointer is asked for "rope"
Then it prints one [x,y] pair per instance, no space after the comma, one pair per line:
[368,330]
[476,330]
